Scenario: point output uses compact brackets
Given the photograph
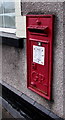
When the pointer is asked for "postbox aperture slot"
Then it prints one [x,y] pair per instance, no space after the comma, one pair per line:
[38,31]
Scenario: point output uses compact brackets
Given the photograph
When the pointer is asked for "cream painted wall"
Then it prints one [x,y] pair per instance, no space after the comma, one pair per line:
[20,20]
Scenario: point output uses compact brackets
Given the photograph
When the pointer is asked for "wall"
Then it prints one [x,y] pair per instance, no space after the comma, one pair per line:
[14,59]
[55,8]
[64,59]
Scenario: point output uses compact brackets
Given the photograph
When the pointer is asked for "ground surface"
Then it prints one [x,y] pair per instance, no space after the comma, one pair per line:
[5,114]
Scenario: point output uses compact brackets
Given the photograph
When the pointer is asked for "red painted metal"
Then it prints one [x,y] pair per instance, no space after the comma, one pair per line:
[39,53]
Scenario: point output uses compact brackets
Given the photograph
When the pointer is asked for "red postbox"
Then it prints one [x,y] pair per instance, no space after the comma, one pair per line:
[39,53]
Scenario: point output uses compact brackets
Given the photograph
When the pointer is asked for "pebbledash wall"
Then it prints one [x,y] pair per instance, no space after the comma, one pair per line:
[14,59]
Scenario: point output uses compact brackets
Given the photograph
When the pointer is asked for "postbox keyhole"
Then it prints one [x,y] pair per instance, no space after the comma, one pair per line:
[34,66]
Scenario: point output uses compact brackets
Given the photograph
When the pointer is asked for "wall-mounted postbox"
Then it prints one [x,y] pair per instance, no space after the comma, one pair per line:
[39,53]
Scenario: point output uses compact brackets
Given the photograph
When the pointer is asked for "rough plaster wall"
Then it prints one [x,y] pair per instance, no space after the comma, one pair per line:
[14,60]
[57,10]
[64,60]
[0,69]
[42,1]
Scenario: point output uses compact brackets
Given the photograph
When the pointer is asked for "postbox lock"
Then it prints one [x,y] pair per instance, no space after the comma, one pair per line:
[33,84]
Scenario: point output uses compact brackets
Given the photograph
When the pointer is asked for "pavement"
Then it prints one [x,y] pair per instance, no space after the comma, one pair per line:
[6,114]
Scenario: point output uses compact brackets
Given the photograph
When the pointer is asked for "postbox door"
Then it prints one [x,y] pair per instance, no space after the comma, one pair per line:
[39,66]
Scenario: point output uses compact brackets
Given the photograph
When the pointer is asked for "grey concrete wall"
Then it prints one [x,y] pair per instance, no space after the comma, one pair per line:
[64,59]
[57,9]
[14,60]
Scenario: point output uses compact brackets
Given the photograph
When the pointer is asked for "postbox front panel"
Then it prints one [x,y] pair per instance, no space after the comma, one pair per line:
[39,54]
